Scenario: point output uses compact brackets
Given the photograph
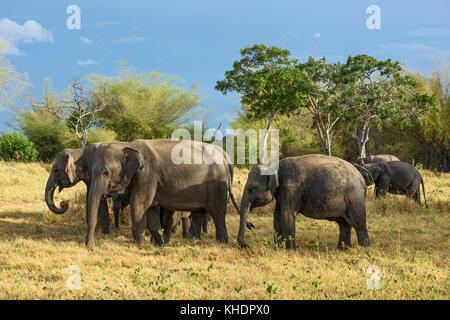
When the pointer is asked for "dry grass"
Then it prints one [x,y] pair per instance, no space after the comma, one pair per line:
[410,245]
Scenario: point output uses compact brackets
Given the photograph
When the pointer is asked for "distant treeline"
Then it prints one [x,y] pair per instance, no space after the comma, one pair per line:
[322,112]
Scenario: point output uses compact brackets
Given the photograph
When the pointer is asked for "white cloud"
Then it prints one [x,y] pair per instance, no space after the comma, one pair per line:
[85,40]
[31,31]
[131,39]
[429,32]
[88,62]
[316,35]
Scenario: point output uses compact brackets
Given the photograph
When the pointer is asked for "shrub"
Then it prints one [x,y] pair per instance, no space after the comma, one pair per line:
[14,146]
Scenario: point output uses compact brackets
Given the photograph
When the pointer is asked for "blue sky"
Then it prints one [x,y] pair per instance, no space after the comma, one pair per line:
[198,40]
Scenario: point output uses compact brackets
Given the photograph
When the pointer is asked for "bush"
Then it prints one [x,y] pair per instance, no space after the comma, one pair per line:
[14,146]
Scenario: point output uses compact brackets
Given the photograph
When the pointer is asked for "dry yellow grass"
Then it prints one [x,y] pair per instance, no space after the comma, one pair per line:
[410,245]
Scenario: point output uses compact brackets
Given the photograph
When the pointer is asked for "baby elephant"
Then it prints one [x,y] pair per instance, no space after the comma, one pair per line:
[317,186]
[395,177]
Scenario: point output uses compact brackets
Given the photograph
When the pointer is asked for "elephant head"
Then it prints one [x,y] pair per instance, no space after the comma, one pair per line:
[65,173]
[114,166]
[375,170]
[259,190]
[366,173]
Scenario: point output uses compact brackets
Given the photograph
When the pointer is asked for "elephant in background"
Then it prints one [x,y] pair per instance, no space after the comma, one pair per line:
[147,169]
[376,158]
[72,166]
[395,177]
[317,186]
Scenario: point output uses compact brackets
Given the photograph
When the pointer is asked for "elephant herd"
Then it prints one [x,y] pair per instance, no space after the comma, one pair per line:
[161,192]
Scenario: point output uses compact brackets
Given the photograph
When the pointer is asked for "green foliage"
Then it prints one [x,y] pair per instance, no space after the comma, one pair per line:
[144,105]
[272,288]
[14,146]
[426,139]
[297,135]
[266,81]
[49,135]
[101,135]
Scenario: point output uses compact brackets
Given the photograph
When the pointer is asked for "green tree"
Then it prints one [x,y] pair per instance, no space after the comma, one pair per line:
[382,91]
[327,97]
[48,124]
[144,105]
[14,146]
[268,84]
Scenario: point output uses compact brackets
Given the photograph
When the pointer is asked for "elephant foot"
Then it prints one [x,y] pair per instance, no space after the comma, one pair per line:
[343,246]
[90,245]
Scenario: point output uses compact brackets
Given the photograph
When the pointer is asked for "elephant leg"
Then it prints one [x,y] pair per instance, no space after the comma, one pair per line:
[195,230]
[221,228]
[139,221]
[287,223]
[277,224]
[205,223]
[116,209]
[154,226]
[360,226]
[417,197]
[103,214]
[413,191]
[345,234]
[170,219]
[218,212]
[186,223]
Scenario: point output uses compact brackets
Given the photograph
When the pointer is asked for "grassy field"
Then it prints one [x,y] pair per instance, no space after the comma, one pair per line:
[410,246]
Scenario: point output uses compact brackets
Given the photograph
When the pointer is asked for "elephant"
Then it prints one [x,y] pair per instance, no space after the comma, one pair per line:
[376,158]
[72,166]
[317,186]
[120,202]
[155,176]
[395,177]
[169,219]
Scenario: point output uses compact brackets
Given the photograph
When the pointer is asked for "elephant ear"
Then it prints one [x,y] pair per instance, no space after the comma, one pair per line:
[273,182]
[70,168]
[376,172]
[133,162]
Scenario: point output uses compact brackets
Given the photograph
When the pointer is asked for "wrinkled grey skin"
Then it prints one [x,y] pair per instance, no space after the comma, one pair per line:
[72,166]
[169,219]
[317,186]
[376,158]
[395,177]
[146,168]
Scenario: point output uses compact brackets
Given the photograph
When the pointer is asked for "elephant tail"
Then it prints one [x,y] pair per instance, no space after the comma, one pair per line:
[234,201]
[424,197]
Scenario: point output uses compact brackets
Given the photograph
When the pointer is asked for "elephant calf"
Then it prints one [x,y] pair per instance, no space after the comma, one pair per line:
[395,177]
[317,186]
[169,219]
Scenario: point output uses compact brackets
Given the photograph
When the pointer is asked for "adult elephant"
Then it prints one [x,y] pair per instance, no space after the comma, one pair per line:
[72,166]
[156,174]
[376,158]
[395,177]
[317,186]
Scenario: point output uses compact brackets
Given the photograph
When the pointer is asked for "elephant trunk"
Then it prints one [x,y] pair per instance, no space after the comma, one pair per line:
[96,193]
[49,191]
[245,208]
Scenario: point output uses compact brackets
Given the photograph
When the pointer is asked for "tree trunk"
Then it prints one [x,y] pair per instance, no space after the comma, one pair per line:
[361,139]
[263,150]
